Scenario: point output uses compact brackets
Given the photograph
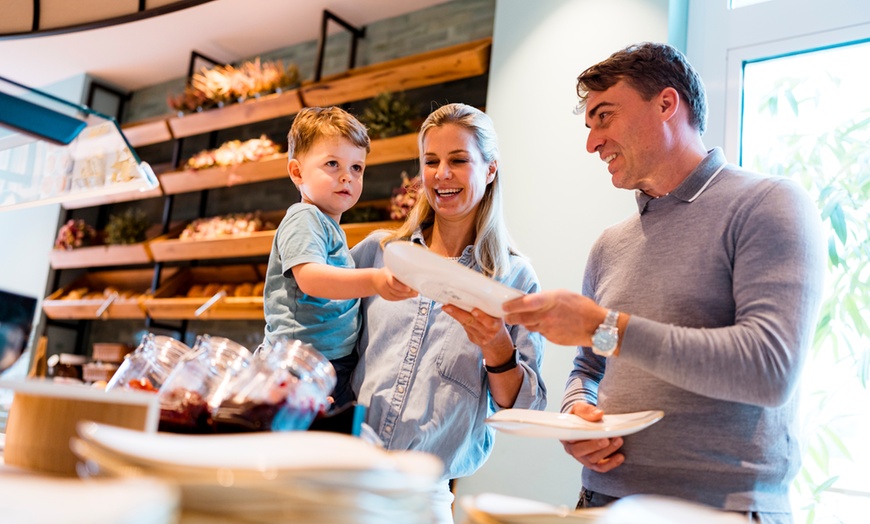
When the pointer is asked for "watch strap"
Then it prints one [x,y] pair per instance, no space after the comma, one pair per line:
[611,318]
[507,366]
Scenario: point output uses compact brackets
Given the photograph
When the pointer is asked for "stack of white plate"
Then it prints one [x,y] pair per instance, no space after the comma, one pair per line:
[302,476]
[492,508]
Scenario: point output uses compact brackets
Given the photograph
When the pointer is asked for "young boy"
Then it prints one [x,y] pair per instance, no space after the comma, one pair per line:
[312,288]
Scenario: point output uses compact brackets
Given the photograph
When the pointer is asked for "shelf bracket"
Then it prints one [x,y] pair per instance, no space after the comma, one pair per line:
[191,66]
[355,32]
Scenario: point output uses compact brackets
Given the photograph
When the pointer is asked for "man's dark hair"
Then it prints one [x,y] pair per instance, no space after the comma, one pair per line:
[649,68]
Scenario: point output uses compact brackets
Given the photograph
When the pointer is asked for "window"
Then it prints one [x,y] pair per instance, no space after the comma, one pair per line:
[807,116]
[785,83]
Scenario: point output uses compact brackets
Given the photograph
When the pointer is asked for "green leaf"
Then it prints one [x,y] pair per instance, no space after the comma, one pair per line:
[789,96]
[832,252]
[821,488]
[773,105]
[838,221]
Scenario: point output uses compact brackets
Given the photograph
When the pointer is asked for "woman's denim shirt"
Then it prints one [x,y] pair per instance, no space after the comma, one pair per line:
[423,381]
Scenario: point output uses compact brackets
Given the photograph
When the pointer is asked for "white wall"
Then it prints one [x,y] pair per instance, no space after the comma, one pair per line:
[558,197]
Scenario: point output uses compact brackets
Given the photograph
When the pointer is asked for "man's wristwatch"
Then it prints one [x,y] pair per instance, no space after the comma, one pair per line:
[606,336]
[507,366]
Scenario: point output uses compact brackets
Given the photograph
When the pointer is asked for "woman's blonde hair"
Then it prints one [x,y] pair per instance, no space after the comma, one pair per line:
[492,243]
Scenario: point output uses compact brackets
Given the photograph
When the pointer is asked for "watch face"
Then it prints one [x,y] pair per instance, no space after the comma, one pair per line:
[604,340]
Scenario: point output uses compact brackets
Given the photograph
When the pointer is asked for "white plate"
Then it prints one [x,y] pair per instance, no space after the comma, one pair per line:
[27,498]
[565,426]
[487,508]
[266,451]
[657,509]
[445,280]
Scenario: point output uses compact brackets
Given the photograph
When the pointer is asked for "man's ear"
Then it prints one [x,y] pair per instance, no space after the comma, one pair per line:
[669,103]
[294,169]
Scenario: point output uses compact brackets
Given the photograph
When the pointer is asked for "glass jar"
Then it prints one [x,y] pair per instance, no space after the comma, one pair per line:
[310,380]
[148,366]
[199,383]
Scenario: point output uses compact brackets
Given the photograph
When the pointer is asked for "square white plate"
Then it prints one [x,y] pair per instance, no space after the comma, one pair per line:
[446,281]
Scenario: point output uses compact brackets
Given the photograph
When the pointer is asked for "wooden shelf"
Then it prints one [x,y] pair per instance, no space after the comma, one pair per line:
[442,65]
[169,248]
[251,110]
[147,132]
[225,176]
[383,151]
[100,256]
[356,232]
[394,149]
[137,281]
[171,300]
[420,70]
[106,255]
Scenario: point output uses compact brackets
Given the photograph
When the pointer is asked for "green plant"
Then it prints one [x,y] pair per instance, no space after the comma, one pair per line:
[389,115]
[833,164]
[127,228]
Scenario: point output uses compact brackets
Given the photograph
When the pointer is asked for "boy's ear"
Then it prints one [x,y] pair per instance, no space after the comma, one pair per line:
[294,169]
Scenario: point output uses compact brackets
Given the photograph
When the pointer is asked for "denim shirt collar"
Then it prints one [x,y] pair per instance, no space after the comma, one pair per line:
[466,257]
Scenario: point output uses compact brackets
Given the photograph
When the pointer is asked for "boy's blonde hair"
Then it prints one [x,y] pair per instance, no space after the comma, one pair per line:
[314,123]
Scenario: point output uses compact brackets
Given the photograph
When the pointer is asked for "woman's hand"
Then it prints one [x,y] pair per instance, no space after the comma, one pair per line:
[491,335]
[482,329]
[598,454]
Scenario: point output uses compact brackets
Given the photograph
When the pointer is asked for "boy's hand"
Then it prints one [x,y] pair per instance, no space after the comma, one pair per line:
[389,287]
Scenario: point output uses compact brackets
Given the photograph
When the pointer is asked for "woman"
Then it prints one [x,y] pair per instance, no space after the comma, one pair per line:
[421,372]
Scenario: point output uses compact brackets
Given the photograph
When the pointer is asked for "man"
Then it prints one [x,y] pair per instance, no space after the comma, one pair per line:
[702,305]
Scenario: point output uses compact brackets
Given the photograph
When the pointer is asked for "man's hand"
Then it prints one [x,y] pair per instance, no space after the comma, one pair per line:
[565,318]
[597,454]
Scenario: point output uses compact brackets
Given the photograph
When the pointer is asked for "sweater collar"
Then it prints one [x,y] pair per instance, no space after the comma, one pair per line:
[694,184]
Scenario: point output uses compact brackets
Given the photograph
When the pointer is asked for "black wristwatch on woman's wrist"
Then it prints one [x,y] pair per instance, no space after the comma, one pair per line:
[507,366]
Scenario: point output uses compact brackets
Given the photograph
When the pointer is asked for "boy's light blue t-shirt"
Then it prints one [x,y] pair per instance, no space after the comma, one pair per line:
[307,235]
